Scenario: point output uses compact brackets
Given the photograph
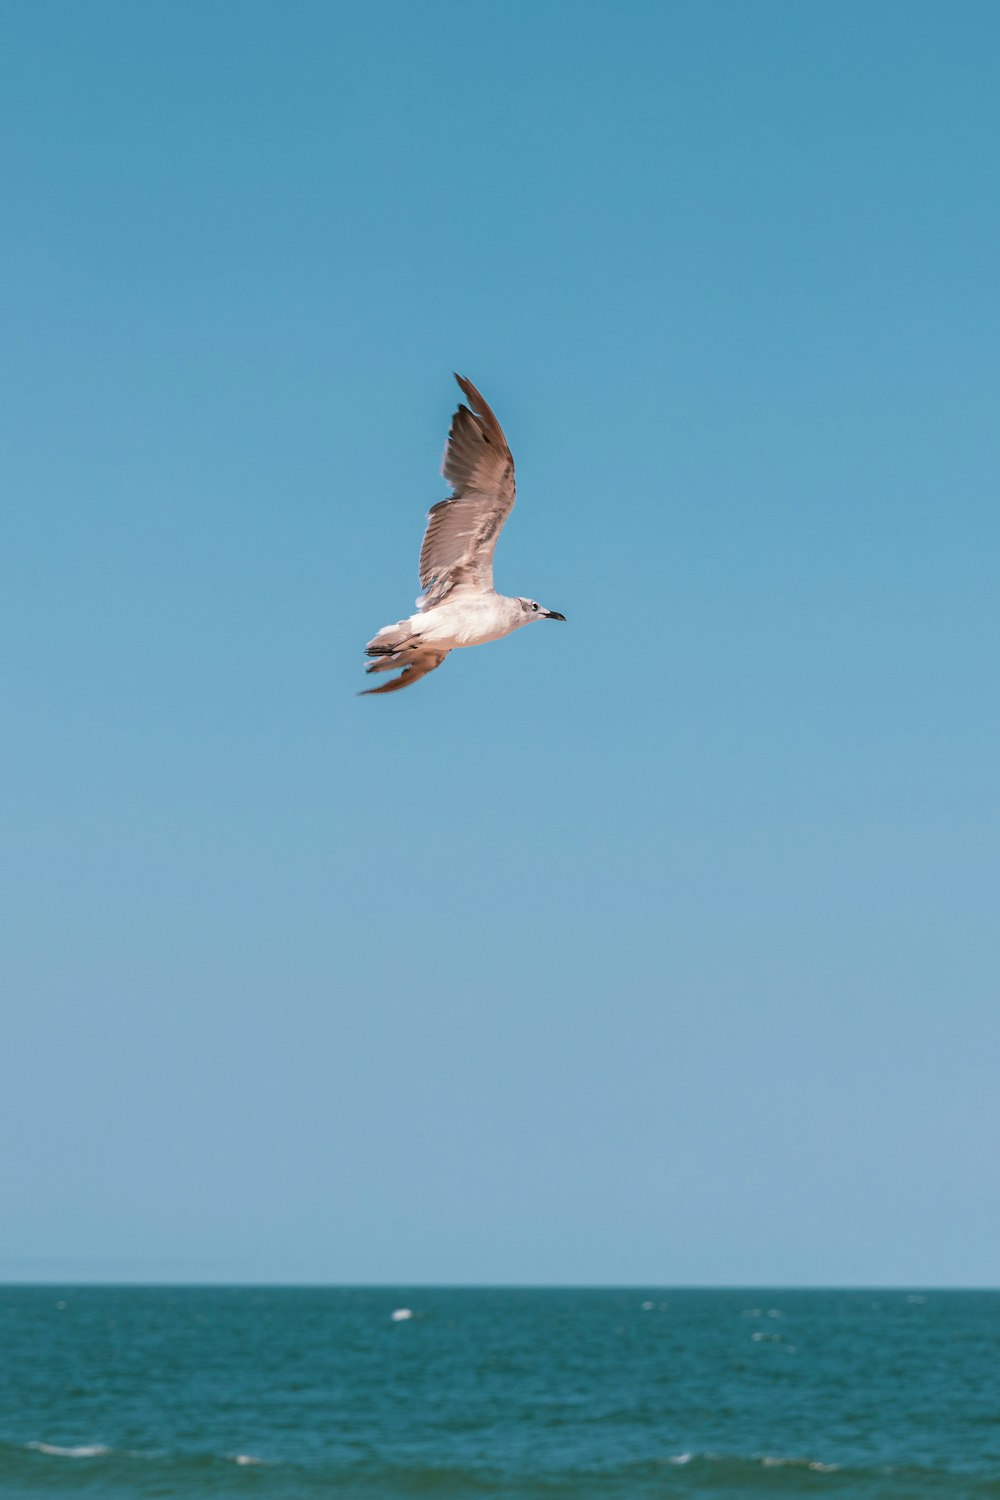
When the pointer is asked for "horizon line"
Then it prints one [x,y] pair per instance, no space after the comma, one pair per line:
[495,1286]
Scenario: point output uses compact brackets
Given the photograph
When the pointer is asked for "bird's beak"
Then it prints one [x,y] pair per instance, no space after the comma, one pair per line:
[553,614]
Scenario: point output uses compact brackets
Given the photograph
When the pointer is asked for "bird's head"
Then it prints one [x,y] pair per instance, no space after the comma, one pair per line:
[532,610]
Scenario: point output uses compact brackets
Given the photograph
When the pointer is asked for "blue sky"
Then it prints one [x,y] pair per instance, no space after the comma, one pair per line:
[657,947]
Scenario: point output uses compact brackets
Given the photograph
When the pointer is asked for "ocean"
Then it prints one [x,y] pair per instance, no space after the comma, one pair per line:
[281,1393]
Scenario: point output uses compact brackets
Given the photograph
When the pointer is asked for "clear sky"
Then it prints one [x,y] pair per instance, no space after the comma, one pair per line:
[661,946]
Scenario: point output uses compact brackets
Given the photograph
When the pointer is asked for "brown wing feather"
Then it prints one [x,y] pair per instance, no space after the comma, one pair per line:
[476,456]
[415,667]
[462,530]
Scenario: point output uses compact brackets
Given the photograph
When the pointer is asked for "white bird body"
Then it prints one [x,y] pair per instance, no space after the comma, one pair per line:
[465,619]
[459,605]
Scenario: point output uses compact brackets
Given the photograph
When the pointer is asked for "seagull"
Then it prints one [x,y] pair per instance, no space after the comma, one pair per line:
[459,605]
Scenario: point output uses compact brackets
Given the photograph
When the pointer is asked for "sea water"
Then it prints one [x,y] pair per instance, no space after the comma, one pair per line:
[533,1395]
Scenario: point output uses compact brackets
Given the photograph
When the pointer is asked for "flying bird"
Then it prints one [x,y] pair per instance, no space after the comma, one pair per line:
[459,605]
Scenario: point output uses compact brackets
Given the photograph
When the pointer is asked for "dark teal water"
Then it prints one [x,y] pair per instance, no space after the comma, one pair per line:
[264,1392]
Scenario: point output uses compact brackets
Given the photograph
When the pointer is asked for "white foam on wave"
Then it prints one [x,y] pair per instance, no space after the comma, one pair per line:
[86,1450]
[400,1314]
[765,1460]
[769,1462]
[247,1458]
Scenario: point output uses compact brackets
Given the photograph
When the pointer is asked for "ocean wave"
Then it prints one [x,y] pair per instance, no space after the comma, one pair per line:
[769,1461]
[681,1475]
[794,1474]
[761,1461]
[85,1450]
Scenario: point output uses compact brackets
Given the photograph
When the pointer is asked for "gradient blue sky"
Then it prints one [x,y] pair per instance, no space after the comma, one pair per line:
[657,947]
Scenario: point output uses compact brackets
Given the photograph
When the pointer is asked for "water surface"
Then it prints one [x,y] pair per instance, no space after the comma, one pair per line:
[533,1395]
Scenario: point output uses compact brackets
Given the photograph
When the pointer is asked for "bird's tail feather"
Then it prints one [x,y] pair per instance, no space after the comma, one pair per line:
[391,638]
[397,646]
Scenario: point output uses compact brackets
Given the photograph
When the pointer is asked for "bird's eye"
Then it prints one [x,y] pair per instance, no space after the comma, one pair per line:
[534,606]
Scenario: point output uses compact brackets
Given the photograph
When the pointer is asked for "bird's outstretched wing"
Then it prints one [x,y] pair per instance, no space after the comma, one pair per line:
[462,531]
[416,663]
